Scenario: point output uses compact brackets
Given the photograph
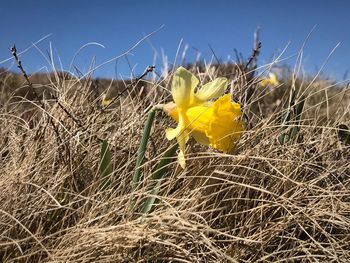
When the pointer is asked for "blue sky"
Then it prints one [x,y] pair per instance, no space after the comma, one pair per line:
[224,25]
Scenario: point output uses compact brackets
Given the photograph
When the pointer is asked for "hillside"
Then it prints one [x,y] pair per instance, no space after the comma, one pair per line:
[283,194]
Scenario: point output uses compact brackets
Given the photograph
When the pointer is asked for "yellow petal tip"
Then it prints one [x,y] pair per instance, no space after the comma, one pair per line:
[170,134]
[182,161]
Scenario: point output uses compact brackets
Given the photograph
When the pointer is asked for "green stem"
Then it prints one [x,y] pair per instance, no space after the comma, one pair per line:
[157,176]
[142,149]
[106,166]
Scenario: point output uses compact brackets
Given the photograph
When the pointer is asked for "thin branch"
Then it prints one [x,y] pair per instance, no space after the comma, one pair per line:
[212,51]
[147,70]
[256,49]
[13,50]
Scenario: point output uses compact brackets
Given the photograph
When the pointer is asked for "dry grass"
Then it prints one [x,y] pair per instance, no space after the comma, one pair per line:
[264,203]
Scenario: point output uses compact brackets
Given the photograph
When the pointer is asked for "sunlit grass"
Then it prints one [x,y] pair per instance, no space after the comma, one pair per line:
[67,192]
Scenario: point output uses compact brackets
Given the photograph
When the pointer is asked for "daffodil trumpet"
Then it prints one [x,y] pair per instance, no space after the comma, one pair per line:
[208,114]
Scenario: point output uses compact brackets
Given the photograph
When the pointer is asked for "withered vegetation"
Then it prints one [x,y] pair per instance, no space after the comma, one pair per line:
[266,202]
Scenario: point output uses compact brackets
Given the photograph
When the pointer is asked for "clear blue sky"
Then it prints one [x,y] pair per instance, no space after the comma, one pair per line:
[224,25]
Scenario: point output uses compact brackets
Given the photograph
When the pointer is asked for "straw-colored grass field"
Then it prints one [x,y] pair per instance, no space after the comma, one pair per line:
[264,202]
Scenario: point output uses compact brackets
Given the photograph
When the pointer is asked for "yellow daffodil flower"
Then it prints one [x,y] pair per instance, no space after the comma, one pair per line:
[270,81]
[211,123]
[104,101]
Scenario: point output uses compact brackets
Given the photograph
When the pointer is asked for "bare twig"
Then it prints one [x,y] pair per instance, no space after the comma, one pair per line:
[256,50]
[13,50]
[212,51]
[30,84]
[134,81]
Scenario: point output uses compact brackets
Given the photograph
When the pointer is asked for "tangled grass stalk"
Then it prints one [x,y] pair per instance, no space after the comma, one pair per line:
[266,202]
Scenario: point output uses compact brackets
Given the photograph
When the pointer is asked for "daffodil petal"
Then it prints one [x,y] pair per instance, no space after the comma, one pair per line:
[181,140]
[171,133]
[200,137]
[273,79]
[181,159]
[183,86]
[106,102]
[212,90]
[199,118]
